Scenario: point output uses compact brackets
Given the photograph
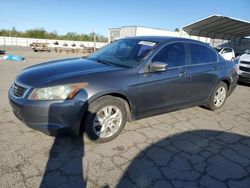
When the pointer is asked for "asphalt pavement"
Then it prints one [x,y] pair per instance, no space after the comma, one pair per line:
[193,147]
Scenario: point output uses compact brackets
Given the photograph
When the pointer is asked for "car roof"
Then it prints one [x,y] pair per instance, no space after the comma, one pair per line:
[164,39]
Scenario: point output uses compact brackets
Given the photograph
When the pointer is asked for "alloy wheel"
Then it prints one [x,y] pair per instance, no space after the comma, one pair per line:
[220,96]
[107,121]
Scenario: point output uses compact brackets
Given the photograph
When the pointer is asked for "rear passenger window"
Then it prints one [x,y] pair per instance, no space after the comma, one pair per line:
[213,55]
[172,54]
[201,54]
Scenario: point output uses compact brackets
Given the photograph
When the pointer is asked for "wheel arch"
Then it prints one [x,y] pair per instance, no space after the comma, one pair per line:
[227,82]
[118,94]
[125,99]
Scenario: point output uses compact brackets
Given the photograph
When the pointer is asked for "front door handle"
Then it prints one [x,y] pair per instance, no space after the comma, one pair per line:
[182,73]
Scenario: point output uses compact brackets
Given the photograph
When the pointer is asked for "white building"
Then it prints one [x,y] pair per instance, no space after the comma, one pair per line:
[131,31]
[216,30]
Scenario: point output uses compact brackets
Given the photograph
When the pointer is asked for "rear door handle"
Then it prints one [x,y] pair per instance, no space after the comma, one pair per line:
[182,73]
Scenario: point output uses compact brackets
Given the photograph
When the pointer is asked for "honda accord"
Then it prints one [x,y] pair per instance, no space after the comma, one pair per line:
[129,79]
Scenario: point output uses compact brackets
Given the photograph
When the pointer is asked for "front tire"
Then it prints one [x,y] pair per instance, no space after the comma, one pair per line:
[106,117]
[218,98]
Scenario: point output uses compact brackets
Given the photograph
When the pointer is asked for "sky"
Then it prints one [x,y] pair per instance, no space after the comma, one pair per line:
[85,16]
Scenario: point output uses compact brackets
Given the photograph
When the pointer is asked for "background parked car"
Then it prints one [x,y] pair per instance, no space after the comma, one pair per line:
[243,62]
[227,53]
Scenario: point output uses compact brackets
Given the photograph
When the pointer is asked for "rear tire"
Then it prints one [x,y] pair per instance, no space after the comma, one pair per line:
[105,119]
[218,98]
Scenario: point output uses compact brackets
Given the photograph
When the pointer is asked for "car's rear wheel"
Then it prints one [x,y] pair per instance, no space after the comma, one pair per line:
[218,98]
[106,117]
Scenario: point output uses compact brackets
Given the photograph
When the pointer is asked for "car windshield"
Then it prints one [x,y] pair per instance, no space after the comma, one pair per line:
[124,52]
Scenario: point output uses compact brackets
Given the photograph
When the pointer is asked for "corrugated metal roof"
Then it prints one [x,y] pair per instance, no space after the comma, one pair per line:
[219,27]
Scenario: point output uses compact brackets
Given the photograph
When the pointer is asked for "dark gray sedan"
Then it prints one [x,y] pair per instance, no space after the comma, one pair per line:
[128,79]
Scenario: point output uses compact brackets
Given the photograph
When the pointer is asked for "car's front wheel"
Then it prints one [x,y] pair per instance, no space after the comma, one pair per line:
[106,117]
[218,98]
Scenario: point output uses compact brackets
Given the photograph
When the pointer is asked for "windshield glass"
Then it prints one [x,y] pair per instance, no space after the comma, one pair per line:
[124,52]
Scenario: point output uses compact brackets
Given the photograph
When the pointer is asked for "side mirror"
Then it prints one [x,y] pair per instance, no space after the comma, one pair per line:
[158,66]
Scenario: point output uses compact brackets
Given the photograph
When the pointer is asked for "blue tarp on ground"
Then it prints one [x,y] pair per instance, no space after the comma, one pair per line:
[13,58]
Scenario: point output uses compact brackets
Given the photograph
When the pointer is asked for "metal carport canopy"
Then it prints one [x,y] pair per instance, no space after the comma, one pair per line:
[219,27]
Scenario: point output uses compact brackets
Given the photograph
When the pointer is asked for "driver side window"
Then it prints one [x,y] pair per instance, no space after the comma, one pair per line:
[172,54]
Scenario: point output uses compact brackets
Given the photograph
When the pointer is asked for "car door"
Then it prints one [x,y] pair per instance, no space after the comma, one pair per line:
[203,68]
[160,91]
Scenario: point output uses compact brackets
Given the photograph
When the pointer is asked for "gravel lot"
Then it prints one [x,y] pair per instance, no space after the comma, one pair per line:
[188,148]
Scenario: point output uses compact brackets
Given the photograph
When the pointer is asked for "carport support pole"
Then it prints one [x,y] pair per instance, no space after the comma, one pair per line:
[94,41]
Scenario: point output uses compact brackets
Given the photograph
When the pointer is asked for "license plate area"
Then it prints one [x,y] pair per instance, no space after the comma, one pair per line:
[17,111]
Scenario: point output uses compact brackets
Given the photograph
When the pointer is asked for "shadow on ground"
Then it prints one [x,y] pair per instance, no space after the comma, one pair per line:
[65,167]
[244,84]
[201,158]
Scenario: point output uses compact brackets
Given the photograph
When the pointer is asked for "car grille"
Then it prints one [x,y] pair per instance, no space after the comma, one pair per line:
[245,62]
[246,69]
[18,90]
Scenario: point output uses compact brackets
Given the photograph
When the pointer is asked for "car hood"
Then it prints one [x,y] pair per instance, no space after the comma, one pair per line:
[245,57]
[42,74]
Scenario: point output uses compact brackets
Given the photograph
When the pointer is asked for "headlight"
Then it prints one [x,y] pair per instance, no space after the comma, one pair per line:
[61,92]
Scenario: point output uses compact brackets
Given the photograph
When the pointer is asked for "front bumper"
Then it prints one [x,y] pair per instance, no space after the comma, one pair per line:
[243,72]
[55,118]
[244,77]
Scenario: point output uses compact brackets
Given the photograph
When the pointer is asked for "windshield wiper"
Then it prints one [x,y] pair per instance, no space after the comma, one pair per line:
[102,61]
[107,62]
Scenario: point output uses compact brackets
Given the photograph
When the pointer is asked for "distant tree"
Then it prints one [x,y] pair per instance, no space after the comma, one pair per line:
[37,33]
[14,32]
[177,29]
[43,34]
[91,35]
[53,35]
[4,32]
